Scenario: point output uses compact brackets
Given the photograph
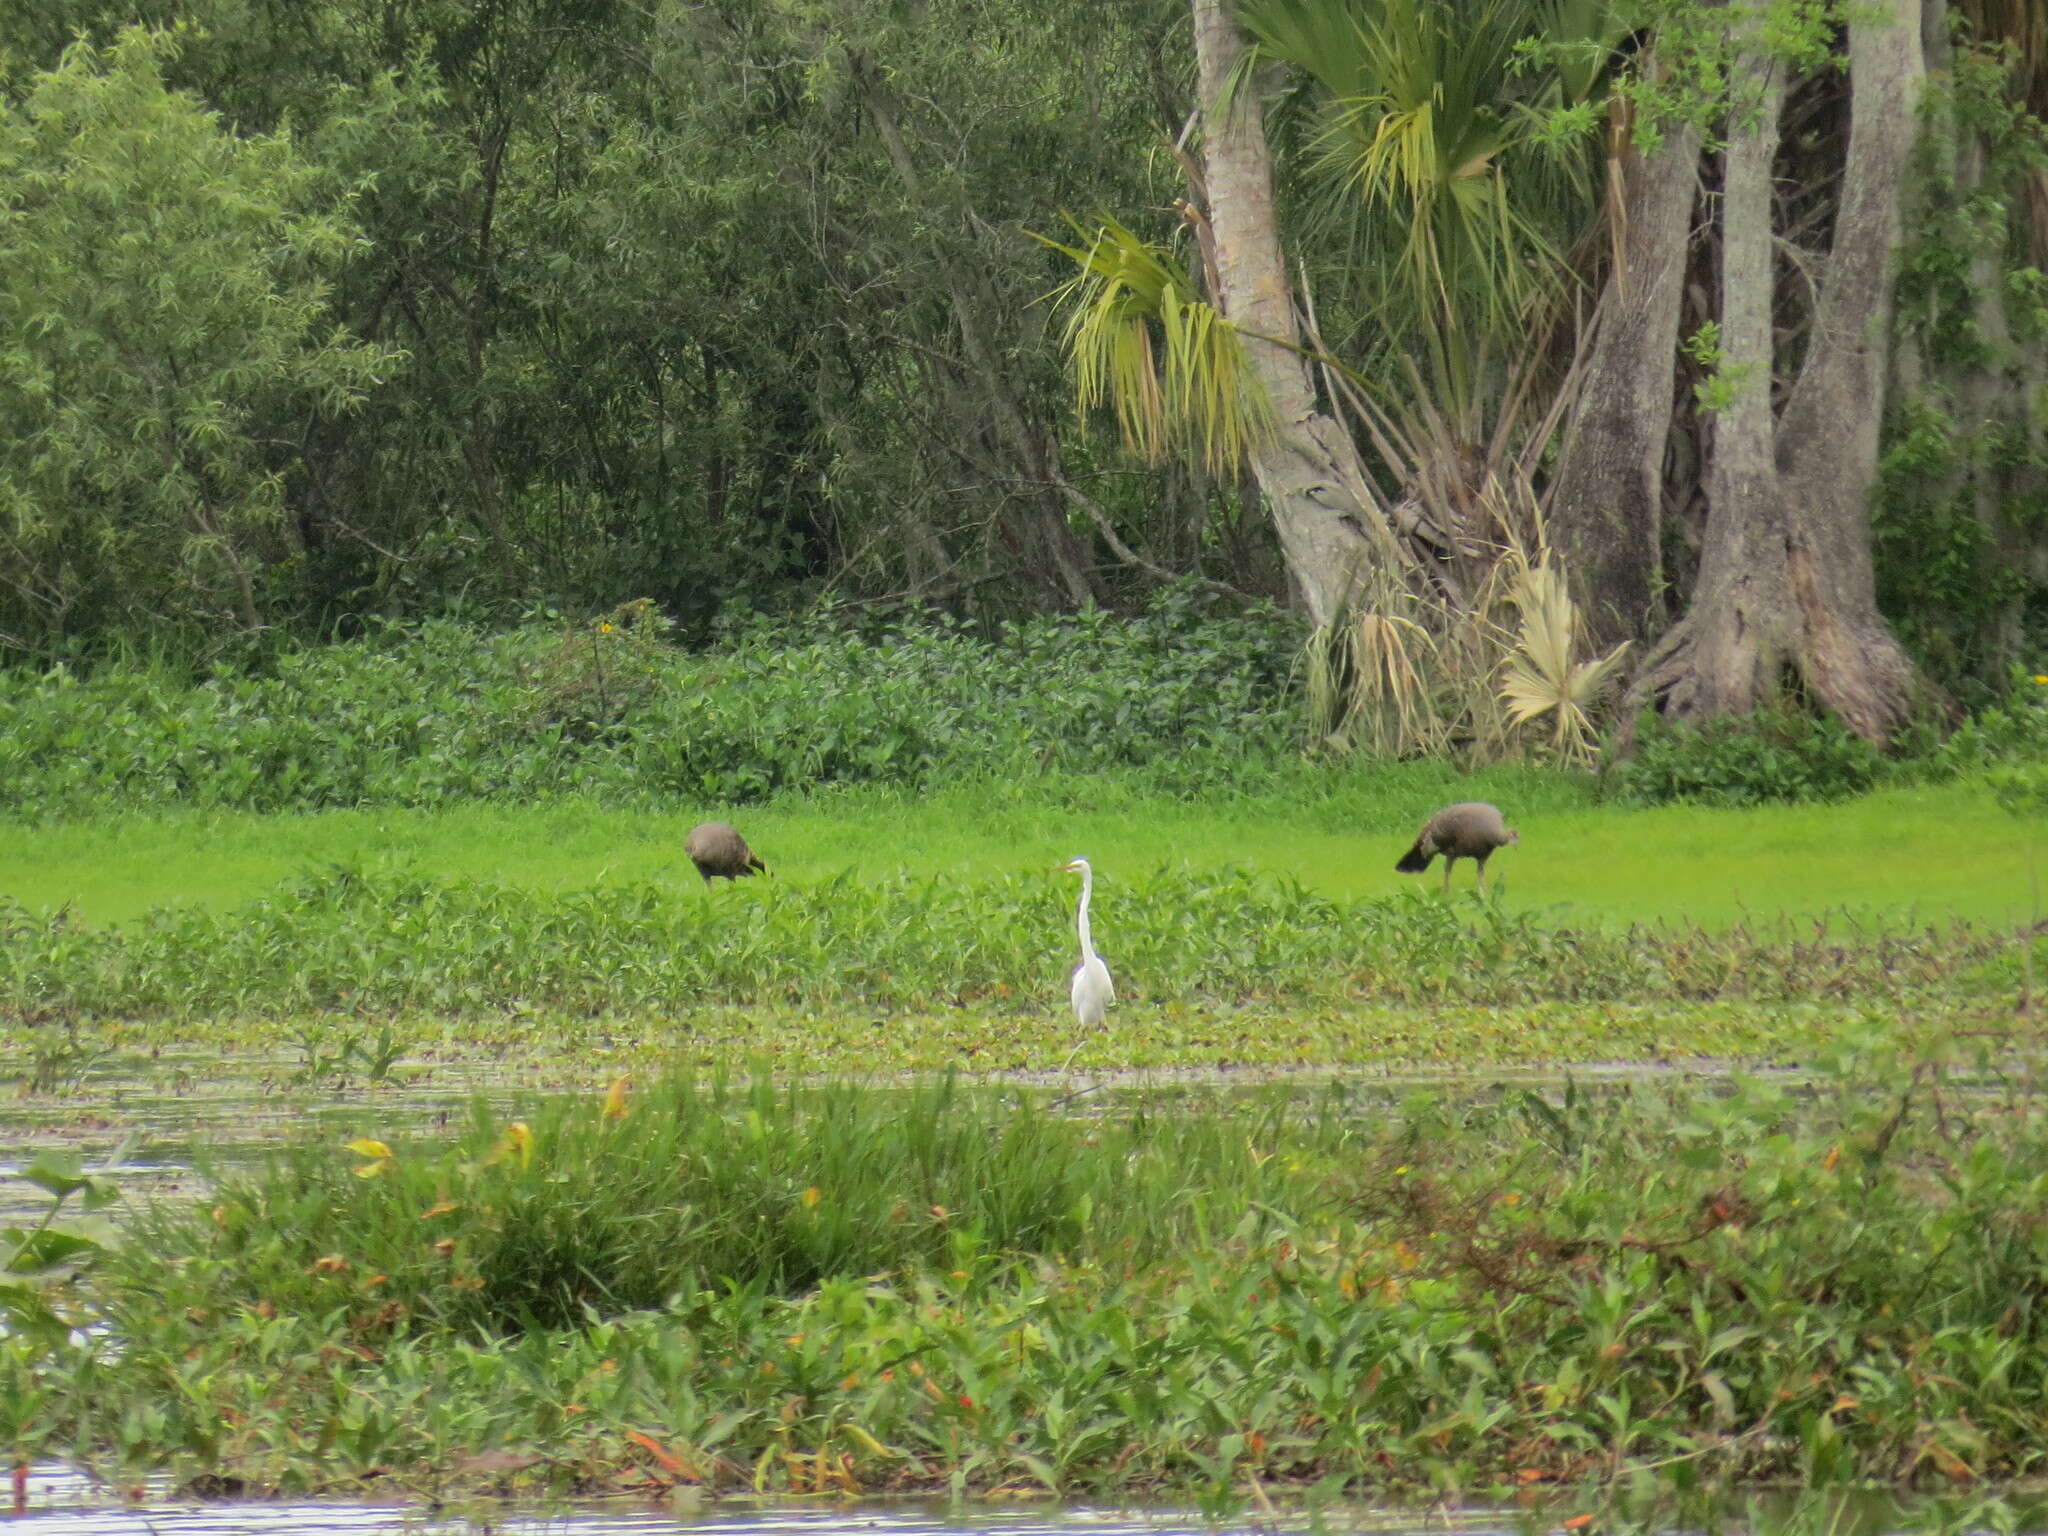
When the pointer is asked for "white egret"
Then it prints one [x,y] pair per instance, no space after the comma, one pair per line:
[1093,991]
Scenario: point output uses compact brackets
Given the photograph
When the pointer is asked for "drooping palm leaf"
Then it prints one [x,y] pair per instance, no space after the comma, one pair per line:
[1169,366]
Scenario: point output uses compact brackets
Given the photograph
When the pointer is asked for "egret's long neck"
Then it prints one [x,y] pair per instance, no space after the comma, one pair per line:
[1087,890]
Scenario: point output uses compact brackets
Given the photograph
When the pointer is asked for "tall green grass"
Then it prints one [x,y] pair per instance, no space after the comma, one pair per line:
[685,1187]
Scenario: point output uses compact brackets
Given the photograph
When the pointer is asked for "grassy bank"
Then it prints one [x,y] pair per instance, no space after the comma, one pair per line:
[1903,854]
[356,942]
[1663,1288]
[928,934]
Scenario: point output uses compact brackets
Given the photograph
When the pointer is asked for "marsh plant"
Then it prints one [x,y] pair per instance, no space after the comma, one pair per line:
[39,1262]
[353,941]
[1656,1290]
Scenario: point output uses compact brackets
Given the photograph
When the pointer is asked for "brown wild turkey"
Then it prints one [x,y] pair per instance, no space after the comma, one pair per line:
[716,849]
[1471,829]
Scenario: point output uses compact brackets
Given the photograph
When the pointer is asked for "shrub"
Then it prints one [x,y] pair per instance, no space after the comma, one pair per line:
[420,715]
[1772,755]
[2015,731]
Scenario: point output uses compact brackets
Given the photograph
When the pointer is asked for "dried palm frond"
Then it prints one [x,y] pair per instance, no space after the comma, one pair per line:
[1543,676]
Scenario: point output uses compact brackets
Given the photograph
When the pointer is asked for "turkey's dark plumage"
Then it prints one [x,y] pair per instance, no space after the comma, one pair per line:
[717,849]
[1471,829]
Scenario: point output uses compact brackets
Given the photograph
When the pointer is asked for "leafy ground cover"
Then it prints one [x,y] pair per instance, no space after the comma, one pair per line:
[1660,1291]
[212,919]
[441,712]
[571,938]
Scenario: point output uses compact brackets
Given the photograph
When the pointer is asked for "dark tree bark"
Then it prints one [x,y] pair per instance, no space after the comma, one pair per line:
[1607,503]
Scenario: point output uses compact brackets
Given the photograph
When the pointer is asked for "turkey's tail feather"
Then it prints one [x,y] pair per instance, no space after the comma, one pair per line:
[1415,860]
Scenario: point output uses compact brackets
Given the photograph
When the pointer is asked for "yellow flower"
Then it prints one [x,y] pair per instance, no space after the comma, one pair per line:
[605,629]
[615,1098]
[517,1141]
[2041,677]
[380,1157]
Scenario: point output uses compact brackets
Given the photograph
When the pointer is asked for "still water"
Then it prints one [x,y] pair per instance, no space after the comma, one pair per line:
[61,1502]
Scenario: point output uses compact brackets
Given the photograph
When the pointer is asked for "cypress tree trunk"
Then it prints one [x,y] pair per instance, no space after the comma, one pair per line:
[1786,589]
[1828,440]
[1607,505]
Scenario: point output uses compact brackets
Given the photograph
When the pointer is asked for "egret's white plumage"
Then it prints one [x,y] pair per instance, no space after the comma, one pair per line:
[1093,991]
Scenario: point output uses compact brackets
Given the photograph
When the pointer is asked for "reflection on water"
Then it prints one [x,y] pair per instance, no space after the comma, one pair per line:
[64,1503]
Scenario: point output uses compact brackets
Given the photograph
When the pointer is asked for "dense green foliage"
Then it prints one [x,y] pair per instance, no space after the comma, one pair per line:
[162,314]
[711,303]
[1664,1287]
[417,309]
[424,714]
[1776,754]
[1190,697]
[1963,488]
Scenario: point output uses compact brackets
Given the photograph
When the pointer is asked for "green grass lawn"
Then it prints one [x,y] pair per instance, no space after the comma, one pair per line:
[1904,854]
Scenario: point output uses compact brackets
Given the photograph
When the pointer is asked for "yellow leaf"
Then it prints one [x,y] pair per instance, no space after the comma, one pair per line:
[373,1169]
[516,1142]
[615,1098]
[811,1197]
[869,1441]
[365,1147]
[446,1207]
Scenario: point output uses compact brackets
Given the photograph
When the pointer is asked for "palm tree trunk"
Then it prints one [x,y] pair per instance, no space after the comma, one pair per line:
[1330,528]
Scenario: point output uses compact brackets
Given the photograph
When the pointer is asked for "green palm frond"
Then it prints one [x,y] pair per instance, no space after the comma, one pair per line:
[1164,360]
[1428,144]
[1418,120]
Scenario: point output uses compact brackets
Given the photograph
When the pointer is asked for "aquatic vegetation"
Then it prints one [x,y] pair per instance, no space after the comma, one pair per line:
[355,941]
[1677,1286]
[440,712]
